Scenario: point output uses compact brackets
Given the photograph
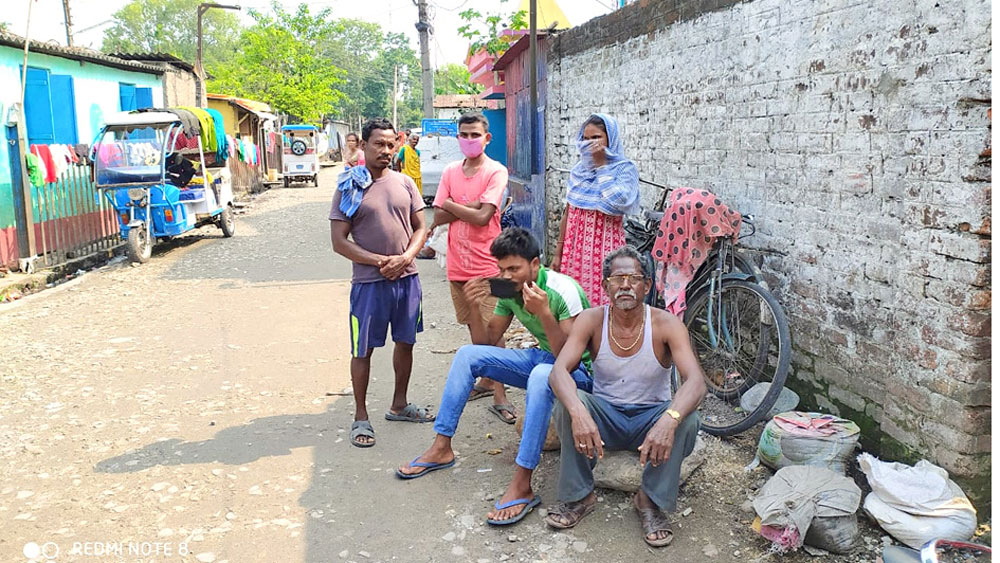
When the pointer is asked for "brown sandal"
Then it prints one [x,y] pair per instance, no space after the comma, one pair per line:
[572,512]
[653,521]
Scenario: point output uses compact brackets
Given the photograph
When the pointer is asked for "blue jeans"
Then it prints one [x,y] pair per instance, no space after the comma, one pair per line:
[528,369]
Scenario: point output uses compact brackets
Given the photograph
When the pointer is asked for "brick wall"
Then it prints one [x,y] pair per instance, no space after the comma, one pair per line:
[858,135]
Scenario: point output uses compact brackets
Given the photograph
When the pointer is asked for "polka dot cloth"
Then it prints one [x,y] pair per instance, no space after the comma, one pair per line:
[692,222]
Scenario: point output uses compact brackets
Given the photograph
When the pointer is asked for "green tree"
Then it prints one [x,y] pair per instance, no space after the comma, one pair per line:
[370,57]
[279,61]
[171,26]
[483,30]
[454,78]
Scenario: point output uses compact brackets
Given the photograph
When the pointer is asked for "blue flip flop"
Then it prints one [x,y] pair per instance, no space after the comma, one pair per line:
[531,504]
[430,465]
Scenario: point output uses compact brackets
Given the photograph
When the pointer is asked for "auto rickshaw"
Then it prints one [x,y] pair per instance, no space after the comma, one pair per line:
[158,180]
[300,161]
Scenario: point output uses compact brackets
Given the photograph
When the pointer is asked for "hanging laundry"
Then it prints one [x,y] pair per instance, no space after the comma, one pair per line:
[208,140]
[36,170]
[192,126]
[220,135]
[82,151]
[42,151]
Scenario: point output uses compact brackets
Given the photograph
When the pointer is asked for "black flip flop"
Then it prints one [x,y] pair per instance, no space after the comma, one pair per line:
[479,392]
[498,410]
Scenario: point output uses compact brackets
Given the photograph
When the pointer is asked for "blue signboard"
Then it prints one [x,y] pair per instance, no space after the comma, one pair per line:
[442,127]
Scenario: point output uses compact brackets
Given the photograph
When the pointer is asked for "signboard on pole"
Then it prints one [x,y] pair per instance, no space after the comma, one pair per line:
[442,127]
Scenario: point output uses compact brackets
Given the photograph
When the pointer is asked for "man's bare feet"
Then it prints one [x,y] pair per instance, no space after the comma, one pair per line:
[568,514]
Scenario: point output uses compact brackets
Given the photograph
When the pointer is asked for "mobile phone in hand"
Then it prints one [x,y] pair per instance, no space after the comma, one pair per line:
[502,288]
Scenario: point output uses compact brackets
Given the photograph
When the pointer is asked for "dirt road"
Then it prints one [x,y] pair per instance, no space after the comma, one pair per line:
[177,411]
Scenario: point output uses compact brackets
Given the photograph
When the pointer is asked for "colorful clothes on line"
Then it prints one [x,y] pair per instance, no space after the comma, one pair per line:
[45,155]
[36,170]
[692,222]
[590,236]
[207,124]
[612,188]
[221,152]
[190,122]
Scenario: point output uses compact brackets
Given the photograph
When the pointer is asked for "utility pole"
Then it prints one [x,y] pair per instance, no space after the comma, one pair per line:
[426,73]
[533,81]
[69,24]
[199,69]
[395,82]
[27,220]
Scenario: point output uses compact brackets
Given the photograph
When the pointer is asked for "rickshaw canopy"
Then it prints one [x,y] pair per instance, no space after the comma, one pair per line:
[141,119]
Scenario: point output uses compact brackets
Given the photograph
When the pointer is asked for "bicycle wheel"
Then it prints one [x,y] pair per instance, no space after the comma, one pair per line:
[740,335]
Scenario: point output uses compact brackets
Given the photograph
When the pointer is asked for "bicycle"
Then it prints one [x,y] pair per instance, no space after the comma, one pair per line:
[737,328]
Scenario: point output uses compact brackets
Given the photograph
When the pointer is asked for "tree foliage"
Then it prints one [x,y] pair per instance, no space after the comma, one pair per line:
[454,78]
[171,26]
[483,30]
[370,56]
[305,64]
[279,62]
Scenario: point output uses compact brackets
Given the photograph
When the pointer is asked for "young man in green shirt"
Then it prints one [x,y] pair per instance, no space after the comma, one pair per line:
[546,303]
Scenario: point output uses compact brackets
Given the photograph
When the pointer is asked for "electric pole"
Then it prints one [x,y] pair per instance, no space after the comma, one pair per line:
[426,73]
[199,69]
[69,24]
[395,82]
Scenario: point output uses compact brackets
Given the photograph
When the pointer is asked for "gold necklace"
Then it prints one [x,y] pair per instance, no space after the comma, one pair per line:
[611,332]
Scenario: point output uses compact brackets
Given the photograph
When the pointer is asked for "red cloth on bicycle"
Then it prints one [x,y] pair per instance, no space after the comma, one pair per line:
[690,225]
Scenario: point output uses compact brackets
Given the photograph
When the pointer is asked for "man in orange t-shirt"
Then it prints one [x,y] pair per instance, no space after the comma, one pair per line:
[468,201]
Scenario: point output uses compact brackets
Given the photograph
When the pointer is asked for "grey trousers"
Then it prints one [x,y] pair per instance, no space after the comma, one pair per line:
[623,427]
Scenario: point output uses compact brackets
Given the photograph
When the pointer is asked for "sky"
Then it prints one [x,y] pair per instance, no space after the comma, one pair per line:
[91,17]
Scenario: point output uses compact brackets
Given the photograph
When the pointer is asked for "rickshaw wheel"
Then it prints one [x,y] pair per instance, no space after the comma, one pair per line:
[227,222]
[316,180]
[140,247]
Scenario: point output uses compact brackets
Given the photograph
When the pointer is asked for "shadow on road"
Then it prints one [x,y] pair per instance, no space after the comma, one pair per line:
[237,445]
[285,244]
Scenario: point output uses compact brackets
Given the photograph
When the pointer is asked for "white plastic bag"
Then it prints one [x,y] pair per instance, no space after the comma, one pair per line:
[439,243]
[917,504]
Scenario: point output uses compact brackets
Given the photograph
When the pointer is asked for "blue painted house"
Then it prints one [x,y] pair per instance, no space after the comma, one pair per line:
[68,93]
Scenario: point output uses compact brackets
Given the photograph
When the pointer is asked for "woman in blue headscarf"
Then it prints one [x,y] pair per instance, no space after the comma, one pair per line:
[603,188]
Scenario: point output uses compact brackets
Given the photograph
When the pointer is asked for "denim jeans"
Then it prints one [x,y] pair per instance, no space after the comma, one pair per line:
[528,369]
[623,427]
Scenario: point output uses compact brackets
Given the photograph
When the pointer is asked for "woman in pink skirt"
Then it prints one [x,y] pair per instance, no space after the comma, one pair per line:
[603,188]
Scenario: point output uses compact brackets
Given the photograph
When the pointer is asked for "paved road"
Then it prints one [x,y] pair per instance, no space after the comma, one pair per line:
[180,408]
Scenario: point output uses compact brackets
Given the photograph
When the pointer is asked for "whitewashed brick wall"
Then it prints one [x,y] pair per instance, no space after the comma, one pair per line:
[857,133]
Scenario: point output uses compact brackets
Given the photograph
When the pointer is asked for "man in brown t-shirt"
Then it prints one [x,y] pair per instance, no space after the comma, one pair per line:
[382,211]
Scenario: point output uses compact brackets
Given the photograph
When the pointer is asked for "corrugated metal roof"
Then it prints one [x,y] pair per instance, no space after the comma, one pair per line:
[155,57]
[76,53]
[260,109]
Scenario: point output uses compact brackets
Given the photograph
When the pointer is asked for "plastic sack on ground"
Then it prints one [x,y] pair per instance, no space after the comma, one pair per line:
[439,242]
[916,504]
[809,504]
[808,438]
